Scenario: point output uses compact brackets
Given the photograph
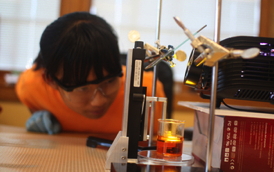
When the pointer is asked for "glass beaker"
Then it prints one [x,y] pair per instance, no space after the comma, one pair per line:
[170,137]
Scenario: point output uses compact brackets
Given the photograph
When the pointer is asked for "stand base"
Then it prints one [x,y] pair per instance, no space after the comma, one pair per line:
[150,157]
[157,168]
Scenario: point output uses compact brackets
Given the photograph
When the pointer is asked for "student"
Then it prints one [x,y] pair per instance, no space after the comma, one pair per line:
[77,82]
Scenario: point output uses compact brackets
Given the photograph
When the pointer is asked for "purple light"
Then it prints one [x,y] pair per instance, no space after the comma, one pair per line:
[263,43]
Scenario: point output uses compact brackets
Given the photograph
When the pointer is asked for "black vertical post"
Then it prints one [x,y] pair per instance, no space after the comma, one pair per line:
[136,99]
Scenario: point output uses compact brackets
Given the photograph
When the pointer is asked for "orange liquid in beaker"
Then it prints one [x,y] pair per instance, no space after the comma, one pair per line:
[170,146]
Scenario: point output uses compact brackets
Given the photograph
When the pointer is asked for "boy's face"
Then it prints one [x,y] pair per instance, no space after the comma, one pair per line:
[93,100]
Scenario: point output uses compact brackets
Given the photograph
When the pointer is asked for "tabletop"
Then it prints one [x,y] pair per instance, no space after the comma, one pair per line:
[22,151]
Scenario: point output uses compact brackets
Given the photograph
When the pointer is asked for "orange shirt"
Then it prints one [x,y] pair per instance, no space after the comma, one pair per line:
[36,94]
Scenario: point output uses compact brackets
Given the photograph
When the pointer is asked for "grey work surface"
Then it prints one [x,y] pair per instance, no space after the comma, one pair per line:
[24,151]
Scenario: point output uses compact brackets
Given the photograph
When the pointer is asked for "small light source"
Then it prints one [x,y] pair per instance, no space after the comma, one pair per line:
[190,82]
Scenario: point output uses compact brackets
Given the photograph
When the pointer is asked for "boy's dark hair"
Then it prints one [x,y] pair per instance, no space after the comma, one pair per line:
[76,43]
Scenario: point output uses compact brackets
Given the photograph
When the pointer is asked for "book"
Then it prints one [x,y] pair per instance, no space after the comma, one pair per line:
[242,141]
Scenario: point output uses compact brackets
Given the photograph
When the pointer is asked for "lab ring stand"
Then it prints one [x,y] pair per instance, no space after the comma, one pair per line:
[120,149]
[125,146]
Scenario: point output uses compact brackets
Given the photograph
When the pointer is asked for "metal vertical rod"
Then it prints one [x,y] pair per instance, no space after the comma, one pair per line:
[158,28]
[211,120]
[151,126]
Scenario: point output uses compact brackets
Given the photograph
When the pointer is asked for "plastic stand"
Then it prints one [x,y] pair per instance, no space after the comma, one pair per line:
[118,151]
[150,157]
